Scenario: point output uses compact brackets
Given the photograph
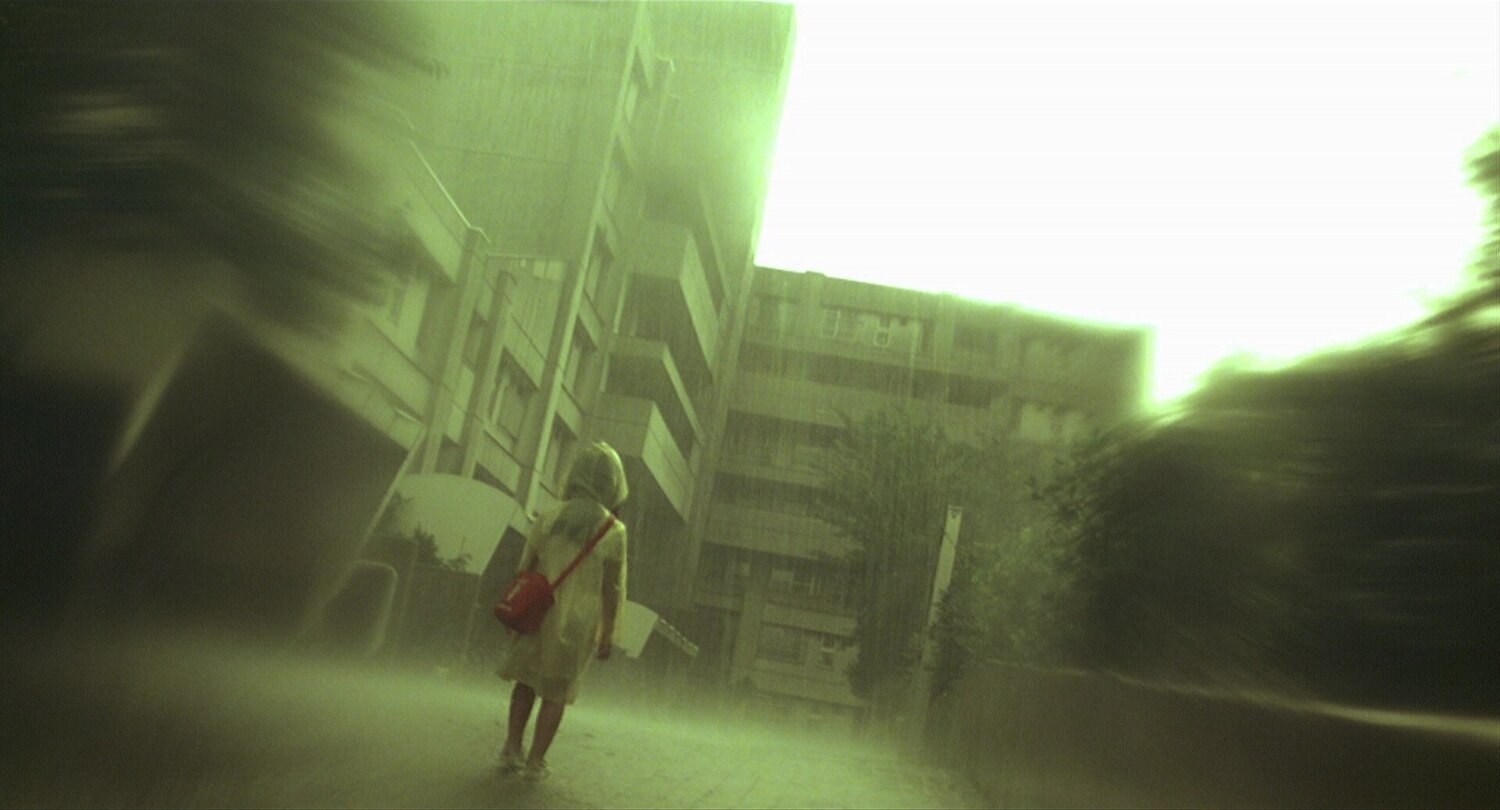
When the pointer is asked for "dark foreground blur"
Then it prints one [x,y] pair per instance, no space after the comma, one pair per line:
[181,721]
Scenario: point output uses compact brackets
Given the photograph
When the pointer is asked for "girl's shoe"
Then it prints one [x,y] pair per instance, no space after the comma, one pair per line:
[535,771]
[510,763]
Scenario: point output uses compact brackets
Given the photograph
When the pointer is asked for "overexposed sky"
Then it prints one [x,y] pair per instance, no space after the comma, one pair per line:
[1265,178]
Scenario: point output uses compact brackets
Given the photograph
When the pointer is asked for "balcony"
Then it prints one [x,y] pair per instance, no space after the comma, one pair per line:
[804,681]
[636,429]
[495,452]
[817,615]
[717,597]
[805,401]
[668,251]
[379,406]
[434,218]
[802,400]
[647,369]
[374,356]
[774,532]
[754,468]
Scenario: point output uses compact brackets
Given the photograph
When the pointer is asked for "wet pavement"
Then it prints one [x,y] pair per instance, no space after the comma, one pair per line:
[193,725]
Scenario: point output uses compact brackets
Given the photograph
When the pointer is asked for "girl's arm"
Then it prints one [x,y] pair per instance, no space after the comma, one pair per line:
[613,595]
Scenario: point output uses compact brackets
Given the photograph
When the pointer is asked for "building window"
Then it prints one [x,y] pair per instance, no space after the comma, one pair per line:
[450,458]
[616,180]
[1035,423]
[559,451]
[828,649]
[512,399]
[580,362]
[552,270]
[397,298]
[880,378]
[836,584]
[976,340]
[484,476]
[727,489]
[882,332]
[796,499]
[600,262]
[795,577]
[749,439]
[779,643]
[635,88]
[724,570]
[813,442]
[762,360]
[435,317]
[474,340]
[769,315]
[774,496]
[839,324]
[971,392]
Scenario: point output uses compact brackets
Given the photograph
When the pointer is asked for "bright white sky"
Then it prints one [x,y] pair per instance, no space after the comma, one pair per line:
[1263,178]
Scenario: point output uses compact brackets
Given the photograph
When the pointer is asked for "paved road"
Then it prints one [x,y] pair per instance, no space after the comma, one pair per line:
[193,726]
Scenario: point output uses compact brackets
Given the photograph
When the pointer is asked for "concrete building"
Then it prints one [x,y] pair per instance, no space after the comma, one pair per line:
[774,601]
[585,191]
[584,197]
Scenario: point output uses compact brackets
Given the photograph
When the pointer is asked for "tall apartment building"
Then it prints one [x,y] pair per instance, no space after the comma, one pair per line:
[586,188]
[773,600]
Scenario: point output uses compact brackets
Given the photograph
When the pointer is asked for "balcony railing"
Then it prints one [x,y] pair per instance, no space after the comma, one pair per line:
[436,220]
[775,532]
[817,603]
[740,464]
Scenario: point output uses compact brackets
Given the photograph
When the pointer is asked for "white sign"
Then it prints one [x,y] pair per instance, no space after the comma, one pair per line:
[633,628]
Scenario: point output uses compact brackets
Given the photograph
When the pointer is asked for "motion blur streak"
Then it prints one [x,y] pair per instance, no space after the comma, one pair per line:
[166,167]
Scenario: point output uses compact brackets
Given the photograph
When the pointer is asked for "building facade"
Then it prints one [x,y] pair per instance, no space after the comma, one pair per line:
[775,603]
[585,187]
[583,197]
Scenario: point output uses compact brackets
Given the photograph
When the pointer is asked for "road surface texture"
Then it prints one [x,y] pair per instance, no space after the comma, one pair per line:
[180,724]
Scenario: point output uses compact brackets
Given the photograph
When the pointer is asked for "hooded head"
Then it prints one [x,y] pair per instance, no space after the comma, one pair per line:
[597,474]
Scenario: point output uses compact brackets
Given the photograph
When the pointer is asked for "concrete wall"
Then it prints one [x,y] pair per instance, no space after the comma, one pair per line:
[1034,738]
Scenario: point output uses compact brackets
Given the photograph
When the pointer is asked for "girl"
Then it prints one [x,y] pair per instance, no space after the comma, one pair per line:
[581,624]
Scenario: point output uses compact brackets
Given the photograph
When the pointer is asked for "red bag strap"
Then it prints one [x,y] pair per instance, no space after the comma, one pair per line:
[599,535]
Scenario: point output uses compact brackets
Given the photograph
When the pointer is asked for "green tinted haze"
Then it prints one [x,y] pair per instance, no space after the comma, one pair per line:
[1257,178]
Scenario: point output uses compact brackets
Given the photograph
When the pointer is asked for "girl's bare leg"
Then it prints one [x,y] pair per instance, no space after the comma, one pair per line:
[547,720]
[522,697]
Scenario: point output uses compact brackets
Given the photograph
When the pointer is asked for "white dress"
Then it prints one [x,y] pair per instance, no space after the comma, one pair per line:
[552,660]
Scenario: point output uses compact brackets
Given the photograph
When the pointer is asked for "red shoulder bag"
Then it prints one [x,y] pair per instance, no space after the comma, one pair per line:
[524,603]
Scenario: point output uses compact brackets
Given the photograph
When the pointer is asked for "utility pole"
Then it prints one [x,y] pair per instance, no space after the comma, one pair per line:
[942,576]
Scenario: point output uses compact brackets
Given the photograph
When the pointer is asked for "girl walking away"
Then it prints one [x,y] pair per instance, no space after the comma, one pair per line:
[580,626]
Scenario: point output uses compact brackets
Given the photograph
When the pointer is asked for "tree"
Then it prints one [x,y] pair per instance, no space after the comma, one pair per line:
[235,134]
[1479,302]
[887,482]
[392,544]
[1325,528]
[427,552]
[1014,594]
[1181,570]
